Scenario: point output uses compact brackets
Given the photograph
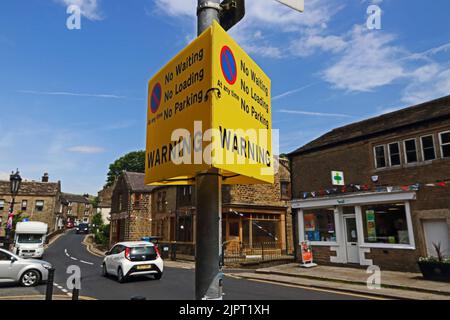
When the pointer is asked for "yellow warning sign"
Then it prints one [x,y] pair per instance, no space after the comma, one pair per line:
[210,107]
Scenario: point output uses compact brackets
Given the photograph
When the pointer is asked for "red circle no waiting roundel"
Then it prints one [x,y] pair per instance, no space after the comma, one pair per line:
[228,65]
[155,98]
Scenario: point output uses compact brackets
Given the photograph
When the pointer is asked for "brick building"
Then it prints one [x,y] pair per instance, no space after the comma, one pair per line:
[37,201]
[130,208]
[77,207]
[251,214]
[396,199]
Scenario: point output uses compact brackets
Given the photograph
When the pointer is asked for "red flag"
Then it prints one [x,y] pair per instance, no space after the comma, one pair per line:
[441,184]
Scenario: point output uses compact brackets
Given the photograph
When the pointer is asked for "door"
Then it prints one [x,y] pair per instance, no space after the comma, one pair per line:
[8,268]
[351,239]
[233,235]
[436,231]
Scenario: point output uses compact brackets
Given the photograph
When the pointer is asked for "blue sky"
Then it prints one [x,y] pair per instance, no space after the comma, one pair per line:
[72,101]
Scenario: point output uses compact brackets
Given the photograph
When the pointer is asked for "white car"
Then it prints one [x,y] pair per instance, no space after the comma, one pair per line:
[134,258]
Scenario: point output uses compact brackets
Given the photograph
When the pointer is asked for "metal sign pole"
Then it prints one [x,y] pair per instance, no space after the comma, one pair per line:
[208,278]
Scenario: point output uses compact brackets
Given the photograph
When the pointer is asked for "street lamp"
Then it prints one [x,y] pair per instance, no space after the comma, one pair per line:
[15,180]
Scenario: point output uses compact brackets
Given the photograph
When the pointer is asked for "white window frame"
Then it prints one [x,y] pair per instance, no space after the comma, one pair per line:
[301,224]
[422,149]
[399,153]
[4,204]
[375,156]
[363,244]
[406,153]
[441,145]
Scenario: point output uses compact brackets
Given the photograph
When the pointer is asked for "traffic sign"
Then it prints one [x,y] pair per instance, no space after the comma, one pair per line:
[298,5]
[191,128]
[232,12]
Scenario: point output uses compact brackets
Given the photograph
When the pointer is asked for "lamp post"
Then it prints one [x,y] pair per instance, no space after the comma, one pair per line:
[15,180]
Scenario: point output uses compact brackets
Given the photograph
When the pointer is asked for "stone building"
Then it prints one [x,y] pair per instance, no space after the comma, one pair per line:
[77,208]
[393,201]
[130,208]
[37,201]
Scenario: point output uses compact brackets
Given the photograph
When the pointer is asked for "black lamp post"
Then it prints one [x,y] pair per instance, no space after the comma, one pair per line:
[15,180]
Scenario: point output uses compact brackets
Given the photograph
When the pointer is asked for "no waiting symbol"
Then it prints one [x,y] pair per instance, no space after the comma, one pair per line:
[155,98]
[228,64]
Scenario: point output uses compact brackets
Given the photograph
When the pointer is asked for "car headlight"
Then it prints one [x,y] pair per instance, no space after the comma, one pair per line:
[47,266]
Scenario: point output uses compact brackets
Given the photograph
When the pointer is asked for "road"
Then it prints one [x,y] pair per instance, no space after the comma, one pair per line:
[176,284]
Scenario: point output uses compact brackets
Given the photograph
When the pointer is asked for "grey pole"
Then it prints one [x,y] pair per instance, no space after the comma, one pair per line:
[208,276]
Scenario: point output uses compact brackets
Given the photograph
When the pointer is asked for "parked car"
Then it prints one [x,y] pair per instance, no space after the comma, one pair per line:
[135,258]
[69,224]
[82,228]
[26,272]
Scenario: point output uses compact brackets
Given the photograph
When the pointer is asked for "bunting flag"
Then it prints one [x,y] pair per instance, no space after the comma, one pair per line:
[364,187]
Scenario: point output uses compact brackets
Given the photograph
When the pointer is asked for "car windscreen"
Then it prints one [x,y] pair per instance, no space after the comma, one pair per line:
[83,225]
[144,253]
[29,238]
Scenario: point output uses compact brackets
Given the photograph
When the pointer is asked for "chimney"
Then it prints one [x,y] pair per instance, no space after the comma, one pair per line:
[45,177]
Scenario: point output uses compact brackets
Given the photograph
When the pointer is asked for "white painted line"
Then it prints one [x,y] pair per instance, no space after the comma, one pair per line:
[89,263]
[74,258]
[64,290]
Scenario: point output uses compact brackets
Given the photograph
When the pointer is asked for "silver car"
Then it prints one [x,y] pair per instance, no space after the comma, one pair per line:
[26,272]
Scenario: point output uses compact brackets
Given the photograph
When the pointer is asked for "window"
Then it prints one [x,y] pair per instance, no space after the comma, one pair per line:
[137,200]
[445,144]
[319,225]
[39,205]
[394,154]
[24,205]
[4,256]
[385,223]
[410,151]
[380,158]
[428,152]
[162,201]
[2,205]
[285,192]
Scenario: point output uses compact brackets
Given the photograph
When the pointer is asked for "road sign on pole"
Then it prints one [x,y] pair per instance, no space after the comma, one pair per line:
[231,13]
[298,5]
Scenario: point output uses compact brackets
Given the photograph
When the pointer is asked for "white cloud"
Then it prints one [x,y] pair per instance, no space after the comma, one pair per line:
[177,7]
[4,176]
[307,45]
[291,92]
[316,114]
[74,94]
[370,60]
[86,149]
[430,82]
[89,8]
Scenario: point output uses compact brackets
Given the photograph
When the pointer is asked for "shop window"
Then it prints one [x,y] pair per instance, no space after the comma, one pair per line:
[380,157]
[319,225]
[428,152]
[24,205]
[410,151]
[394,154]
[39,205]
[445,144]
[385,223]
[265,231]
[2,205]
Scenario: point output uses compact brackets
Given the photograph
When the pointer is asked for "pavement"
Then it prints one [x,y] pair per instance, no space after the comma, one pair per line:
[177,283]
[394,285]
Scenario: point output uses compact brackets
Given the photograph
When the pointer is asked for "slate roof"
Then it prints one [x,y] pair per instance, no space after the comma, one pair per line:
[31,188]
[438,109]
[136,183]
[76,198]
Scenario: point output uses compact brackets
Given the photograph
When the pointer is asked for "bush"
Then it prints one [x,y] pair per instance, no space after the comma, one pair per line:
[101,236]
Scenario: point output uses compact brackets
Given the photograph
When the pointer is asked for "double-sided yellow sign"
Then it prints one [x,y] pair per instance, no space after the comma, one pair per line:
[210,107]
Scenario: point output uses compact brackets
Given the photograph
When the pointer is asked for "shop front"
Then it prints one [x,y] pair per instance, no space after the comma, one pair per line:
[354,229]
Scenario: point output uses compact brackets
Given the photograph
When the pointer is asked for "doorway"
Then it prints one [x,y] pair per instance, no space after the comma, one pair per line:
[351,239]
[436,232]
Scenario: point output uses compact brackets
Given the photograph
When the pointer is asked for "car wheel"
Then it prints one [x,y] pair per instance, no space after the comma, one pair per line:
[120,277]
[30,278]
[158,276]
[104,271]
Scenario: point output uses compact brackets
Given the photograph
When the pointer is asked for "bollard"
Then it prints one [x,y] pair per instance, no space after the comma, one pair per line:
[50,280]
[75,294]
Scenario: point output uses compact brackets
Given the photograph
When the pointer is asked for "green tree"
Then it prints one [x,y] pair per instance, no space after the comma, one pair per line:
[133,161]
